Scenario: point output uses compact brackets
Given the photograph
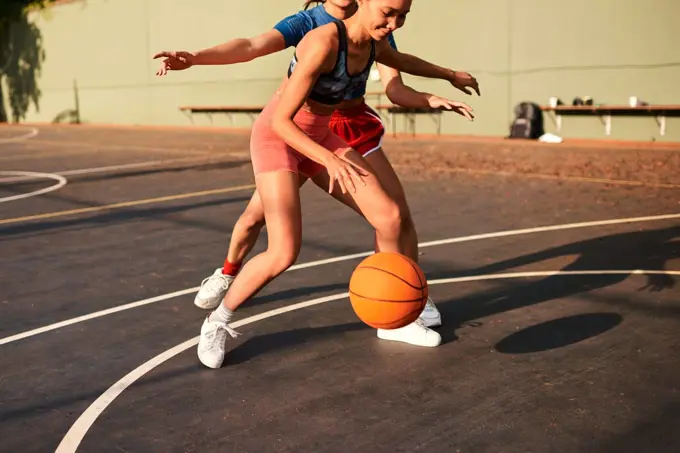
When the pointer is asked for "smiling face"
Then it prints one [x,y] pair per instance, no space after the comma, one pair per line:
[382,17]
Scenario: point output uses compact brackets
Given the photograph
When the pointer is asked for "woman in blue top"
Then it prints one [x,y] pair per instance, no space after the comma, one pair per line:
[353,121]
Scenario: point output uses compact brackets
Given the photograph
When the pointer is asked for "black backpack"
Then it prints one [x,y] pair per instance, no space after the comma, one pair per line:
[528,121]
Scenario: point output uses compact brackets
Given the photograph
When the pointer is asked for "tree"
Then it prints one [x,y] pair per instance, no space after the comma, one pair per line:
[21,56]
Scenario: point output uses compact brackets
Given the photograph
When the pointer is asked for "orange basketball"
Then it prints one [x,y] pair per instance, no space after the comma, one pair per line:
[388,290]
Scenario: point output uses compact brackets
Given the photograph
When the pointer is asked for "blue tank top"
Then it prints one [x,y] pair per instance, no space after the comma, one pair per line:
[295,27]
[332,87]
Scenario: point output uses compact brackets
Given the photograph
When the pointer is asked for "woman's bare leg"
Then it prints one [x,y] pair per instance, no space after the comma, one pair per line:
[280,195]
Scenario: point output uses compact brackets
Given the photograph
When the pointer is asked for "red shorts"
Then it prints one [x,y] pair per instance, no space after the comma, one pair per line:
[360,127]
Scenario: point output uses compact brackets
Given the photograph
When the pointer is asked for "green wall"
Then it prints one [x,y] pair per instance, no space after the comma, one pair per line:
[518,49]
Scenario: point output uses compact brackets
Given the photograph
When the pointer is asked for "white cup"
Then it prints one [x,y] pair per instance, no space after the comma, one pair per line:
[553,102]
[633,101]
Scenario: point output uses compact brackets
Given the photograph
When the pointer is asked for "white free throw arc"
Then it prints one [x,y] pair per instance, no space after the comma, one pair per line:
[61,182]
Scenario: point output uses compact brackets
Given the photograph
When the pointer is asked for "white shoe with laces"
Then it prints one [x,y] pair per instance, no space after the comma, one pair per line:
[212,342]
[213,289]
[430,315]
[415,333]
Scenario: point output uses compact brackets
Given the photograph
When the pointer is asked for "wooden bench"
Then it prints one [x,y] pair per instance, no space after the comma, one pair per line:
[392,110]
[605,113]
[410,116]
[231,110]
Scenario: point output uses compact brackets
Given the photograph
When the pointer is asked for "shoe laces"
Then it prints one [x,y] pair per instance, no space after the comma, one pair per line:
[215,283]
[219,334]
[420,323]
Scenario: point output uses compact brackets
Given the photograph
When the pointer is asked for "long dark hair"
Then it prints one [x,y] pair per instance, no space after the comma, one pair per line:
[308,3]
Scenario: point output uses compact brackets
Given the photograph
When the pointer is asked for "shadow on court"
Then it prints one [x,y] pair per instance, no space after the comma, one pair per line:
[123,215]
[650,250]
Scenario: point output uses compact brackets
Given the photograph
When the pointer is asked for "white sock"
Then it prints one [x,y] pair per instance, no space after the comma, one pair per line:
[222,314]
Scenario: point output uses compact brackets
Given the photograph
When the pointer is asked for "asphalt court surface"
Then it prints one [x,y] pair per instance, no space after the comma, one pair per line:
[551,343]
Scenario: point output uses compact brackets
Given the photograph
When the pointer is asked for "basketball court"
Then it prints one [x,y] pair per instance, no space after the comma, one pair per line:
[558,292]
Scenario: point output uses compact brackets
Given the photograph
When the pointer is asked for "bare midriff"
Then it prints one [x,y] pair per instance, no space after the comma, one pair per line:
[318,108]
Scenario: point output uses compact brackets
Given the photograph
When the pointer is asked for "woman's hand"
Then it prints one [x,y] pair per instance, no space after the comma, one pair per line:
[463,81]
[346,173]
[460,108]
[174,61]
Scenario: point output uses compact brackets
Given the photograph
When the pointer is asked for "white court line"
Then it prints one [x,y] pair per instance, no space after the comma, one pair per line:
[86,171]
[77,432]
[61,182]
[99,314]
[32,133]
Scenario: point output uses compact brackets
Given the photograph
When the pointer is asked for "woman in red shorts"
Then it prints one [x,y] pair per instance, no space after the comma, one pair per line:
[353,121]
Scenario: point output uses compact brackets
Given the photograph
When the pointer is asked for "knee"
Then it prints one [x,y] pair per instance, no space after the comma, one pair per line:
[391,220]
[250,220]
[283,258]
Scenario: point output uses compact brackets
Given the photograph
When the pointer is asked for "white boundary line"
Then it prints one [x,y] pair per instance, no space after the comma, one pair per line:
[150,163]
[86,171]
[61,182]
[99,314]
[77,432]
[32,133]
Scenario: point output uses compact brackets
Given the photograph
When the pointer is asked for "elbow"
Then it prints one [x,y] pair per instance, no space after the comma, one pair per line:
[394,91]
[392,95]
[248,52]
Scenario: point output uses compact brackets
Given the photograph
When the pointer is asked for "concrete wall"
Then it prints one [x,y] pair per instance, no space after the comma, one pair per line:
[518,49]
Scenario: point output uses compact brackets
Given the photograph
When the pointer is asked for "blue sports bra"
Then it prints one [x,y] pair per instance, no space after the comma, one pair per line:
[332,87]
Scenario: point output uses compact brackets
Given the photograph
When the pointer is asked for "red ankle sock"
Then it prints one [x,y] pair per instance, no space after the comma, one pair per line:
[230,268]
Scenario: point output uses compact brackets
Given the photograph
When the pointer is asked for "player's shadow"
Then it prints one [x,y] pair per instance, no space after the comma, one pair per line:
[627,251]
[171,214]
[648,249]
[558,333]
[267,344]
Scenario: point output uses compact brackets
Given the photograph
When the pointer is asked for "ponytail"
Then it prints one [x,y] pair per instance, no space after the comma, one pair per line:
[308,3]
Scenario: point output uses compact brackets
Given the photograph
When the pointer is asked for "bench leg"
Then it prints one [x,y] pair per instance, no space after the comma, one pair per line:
[558,121]
[661,121]
[394,125]
[607,121]
[190,116]
[437,118]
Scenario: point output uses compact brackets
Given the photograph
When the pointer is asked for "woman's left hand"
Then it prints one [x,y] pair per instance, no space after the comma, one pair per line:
[460,108]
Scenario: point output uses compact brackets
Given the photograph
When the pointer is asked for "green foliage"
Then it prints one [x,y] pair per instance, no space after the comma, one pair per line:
[21,56]
[12,10]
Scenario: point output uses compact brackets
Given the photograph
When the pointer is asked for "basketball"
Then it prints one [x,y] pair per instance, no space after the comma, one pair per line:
[388,290]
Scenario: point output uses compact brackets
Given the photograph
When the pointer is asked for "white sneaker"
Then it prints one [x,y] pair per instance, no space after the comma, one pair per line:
[430,315]
[213,290]
[212,343]
[415,333]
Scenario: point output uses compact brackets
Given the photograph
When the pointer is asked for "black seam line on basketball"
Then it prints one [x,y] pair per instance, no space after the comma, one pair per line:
[385,300]
[395,276]
[417,274]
